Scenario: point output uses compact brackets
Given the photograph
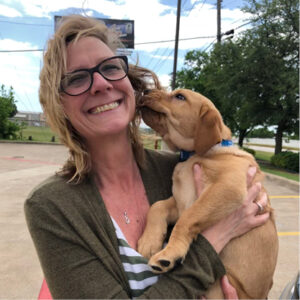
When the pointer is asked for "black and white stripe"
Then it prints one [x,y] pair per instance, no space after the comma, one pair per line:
[139,274]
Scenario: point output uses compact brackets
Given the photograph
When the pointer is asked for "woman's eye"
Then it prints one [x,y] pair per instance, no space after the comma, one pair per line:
[76,79]
[110,68]
[180,97]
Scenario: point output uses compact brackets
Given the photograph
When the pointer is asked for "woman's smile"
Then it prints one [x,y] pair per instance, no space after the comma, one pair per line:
[104,107]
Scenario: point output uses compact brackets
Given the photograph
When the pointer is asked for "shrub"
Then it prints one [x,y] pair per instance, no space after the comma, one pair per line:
[8,130]
[286,160]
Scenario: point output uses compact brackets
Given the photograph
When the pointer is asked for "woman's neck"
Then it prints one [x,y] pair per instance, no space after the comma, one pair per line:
[113,161]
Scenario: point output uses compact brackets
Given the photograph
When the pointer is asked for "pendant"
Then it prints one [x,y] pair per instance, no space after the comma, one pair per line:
[127,220]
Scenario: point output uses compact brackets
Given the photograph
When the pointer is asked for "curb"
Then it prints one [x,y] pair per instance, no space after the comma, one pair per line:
[291,184]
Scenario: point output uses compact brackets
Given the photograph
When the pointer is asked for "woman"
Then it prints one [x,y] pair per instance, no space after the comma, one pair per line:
[86,221]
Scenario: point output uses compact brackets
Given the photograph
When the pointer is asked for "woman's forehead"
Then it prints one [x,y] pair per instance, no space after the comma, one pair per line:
[86,53]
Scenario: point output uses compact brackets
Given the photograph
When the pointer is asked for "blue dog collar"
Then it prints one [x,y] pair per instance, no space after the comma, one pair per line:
[226,143]
[185,155]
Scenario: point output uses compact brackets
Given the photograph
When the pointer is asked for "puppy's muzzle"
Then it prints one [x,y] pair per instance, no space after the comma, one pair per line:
[145,98]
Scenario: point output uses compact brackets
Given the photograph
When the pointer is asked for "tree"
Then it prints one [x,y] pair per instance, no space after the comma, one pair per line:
[272,63]
[8,109]
[253,80]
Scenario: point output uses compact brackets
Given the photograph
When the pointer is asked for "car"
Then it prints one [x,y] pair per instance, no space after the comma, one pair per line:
[291,291]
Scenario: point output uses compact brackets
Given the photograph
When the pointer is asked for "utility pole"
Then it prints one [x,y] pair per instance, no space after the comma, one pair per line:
[219,36]
[176,44]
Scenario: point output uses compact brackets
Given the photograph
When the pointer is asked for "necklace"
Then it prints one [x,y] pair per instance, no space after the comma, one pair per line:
[127,220]
[133,207]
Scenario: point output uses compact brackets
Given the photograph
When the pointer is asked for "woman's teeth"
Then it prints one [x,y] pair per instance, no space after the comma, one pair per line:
[105,107]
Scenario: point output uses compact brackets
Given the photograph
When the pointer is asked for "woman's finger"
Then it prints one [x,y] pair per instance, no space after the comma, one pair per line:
[253,193]
[261,203]
[261,219]
[228,290]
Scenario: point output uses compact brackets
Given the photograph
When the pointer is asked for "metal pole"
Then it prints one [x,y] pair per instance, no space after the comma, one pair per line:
[176,44]
[219,20]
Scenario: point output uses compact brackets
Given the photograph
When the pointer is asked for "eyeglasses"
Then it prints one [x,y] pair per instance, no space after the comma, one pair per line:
[79,81]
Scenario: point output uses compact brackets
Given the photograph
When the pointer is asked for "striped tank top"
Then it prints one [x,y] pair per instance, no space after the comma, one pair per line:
[138,273]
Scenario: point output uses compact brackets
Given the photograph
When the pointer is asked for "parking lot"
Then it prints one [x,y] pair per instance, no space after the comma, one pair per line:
[23,166]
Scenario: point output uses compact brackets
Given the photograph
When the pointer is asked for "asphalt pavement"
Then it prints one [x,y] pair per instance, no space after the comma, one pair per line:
[23,166]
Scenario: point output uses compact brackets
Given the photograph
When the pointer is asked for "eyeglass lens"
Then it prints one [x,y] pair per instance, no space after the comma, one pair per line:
[80,81]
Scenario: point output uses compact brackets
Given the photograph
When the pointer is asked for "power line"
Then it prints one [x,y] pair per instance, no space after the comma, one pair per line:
[182,39]
[152,57]
[183,5]
[203,2]
[163,61]
[29,24]
[210,45]
[242,25]
[24,50]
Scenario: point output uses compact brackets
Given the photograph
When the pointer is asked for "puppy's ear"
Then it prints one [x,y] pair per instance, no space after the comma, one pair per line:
[208,130]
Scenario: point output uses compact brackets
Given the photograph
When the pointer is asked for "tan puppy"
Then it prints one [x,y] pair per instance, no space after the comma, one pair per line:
[189,121]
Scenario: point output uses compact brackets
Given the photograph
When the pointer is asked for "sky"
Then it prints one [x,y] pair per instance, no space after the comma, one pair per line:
[28,24]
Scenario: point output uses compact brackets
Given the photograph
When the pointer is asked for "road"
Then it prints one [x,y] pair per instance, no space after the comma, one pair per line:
[23,166]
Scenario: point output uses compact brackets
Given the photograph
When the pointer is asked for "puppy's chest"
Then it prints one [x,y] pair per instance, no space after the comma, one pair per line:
[184,190]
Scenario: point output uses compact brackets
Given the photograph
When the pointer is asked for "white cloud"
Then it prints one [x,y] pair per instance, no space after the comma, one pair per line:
[9,11]
[16,45]
[165,80]
[21,71]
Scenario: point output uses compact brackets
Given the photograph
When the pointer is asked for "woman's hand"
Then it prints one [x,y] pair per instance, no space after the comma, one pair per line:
[241,220]
[228,290]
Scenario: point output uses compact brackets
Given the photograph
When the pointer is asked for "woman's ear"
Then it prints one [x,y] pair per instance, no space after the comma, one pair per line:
[208,130]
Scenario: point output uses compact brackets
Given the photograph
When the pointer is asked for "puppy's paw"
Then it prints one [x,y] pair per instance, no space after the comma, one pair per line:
[148,244]
[165,260]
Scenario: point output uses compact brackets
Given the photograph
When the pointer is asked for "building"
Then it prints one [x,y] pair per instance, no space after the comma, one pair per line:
[30,118]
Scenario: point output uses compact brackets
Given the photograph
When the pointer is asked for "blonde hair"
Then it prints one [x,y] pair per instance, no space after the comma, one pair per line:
[73,28]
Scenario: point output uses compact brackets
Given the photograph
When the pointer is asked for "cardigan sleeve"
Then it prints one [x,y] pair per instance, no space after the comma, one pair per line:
[77,259]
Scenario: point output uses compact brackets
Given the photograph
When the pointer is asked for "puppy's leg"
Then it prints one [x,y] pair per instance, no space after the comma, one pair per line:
[159,216]
[200,215]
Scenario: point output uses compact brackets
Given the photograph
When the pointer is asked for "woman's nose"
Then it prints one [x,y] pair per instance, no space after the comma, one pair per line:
[100,84]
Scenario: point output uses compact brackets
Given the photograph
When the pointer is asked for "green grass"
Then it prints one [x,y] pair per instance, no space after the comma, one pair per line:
[149,141]
[261,155]
[287,175]
[37,134]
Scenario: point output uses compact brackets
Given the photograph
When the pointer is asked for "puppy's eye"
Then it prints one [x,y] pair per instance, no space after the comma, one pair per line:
[180,97]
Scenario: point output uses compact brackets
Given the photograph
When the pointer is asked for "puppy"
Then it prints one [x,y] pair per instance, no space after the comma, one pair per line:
[189,121]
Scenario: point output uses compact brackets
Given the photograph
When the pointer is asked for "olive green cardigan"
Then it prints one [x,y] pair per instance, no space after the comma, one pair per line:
[77,246]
